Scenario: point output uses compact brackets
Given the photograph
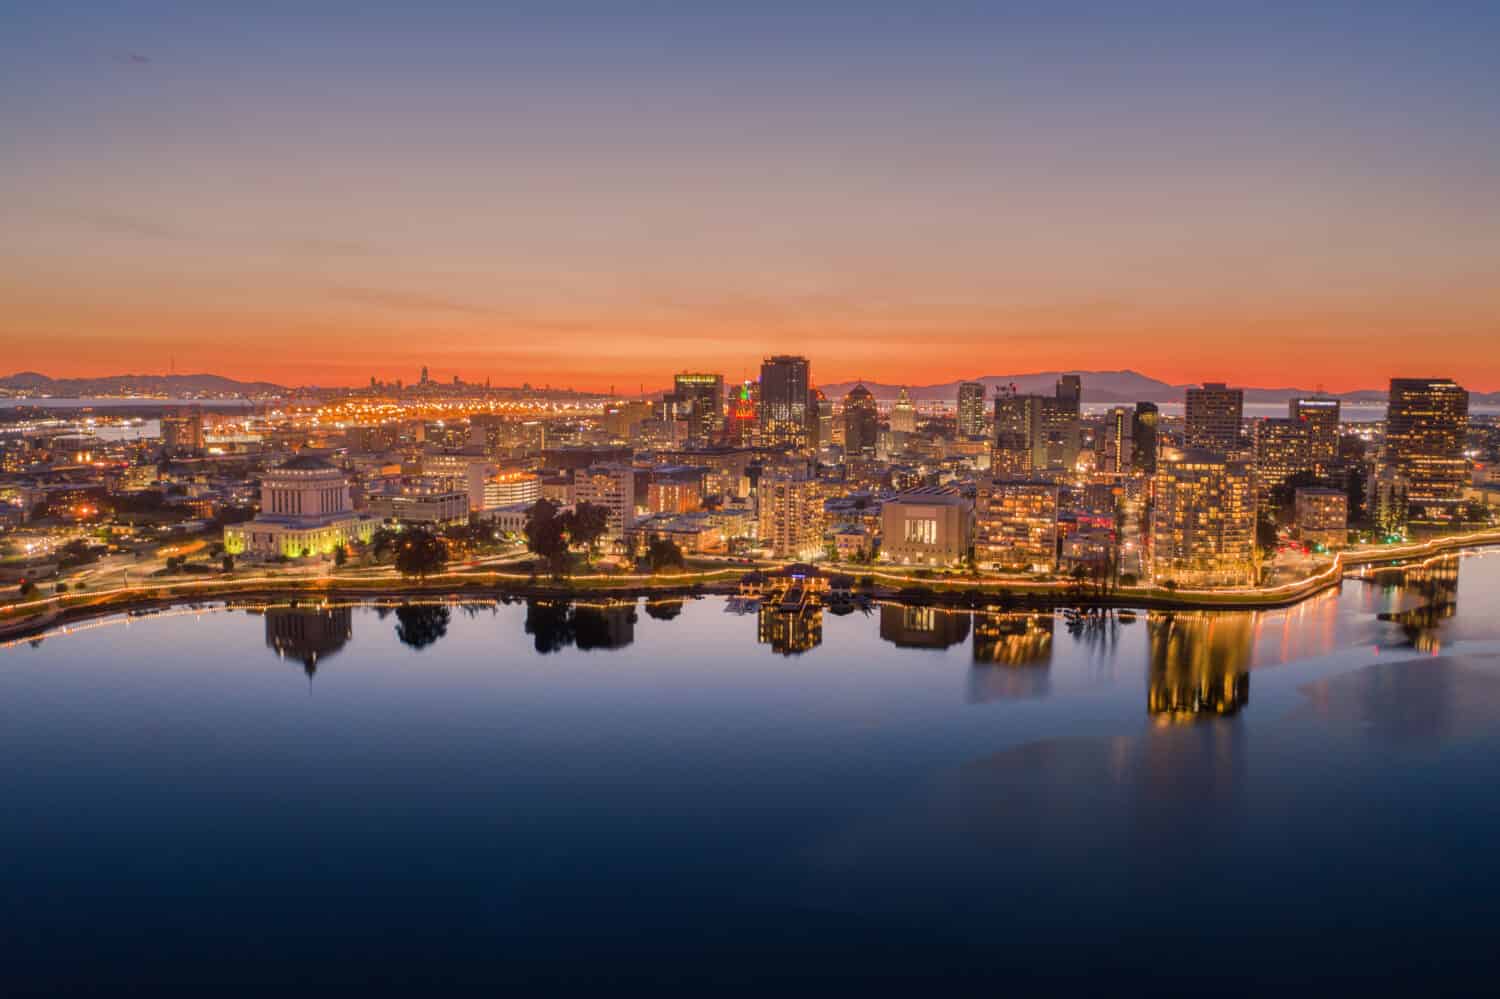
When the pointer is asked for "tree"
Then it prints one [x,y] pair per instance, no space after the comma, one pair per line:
[586,525]
[1266,535]
[546,534]
[421,552]
[384,542]
[664,554]
[227,563]
[27,588]
[340,556]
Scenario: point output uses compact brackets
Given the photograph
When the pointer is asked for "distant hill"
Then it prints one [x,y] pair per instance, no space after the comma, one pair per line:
[167,385]
[1112,387]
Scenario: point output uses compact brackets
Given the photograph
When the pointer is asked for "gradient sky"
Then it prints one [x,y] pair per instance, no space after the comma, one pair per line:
[596,195]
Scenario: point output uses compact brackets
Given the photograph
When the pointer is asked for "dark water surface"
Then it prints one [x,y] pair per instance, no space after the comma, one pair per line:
[673,795]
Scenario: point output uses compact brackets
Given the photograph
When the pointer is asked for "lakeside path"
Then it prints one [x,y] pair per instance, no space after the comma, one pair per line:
[23,617]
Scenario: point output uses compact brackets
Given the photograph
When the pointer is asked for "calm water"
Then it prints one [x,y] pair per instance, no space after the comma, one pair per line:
[671,794]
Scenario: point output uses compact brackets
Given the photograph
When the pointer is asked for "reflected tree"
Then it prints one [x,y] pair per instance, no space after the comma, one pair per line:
[663,610]
[420,625]
[550,623]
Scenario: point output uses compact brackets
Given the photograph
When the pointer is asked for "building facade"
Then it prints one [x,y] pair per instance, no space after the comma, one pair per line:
[1203,519]
[1015,524]
[927,526]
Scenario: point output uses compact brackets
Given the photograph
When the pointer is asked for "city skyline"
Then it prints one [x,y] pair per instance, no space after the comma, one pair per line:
[595,200]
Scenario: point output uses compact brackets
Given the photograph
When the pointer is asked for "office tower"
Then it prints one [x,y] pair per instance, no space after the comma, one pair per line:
[1425,424]
[1018,420]
[861,422]
[1119,441]
[182,433]
[1143,427]
[820,419]
[1321,416]
[1070,391]
[1015,524]
[784,381]
[791,512]
[612,487]
[971,418]
[702,398]
[744,415]
[930,525]
[903,414]
[1203,519]
[1214,414]
[1282,449]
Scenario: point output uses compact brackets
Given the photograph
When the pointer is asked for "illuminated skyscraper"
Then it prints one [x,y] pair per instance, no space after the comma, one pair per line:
[784,381]
[1214,413]
[744,415]
[1143,426]
[861,422]
[1203,519]
[702,398]
[1119,441]
[971,417]
[1018,420]
[1425,424]
[791,512]
[1321,417]
[903,414]
[1283,448]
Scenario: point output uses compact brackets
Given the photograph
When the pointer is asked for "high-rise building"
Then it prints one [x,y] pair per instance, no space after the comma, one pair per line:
[1015,524]
[1283,448]
[1425,424]
[1061,428]
[1203,519]
[971,416]
[820,420]
[1321,417]
[1018,420]
[1070,391]
[903,414]
[1143,426]
[861,422]
[612,487]
[1214,414]
[701,398]
[1119,441]
[791,512]
[744,415]
[182,433]
[784,381]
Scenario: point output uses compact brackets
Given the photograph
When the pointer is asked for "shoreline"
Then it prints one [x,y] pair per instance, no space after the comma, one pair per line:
[22,620]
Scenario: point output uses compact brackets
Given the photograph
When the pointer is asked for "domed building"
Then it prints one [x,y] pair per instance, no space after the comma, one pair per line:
[305,508]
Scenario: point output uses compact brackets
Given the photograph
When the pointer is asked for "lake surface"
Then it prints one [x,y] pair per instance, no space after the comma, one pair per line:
[671,795]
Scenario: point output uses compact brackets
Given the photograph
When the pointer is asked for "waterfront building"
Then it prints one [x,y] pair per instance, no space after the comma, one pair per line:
[1425,425]
[784,383]
[1203,519]
[1322,516]
[611,486]
[1016,524]
[305,507]
[791,512]
[972,422]
[1213,416]
[927,526]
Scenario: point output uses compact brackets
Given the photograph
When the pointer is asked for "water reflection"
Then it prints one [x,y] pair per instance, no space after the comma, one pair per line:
[663,610]
[1433,588]
[308,634]
[557,624]
[922,627]
[1199,663]
[421,625]
[1012,653]
[791,631]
